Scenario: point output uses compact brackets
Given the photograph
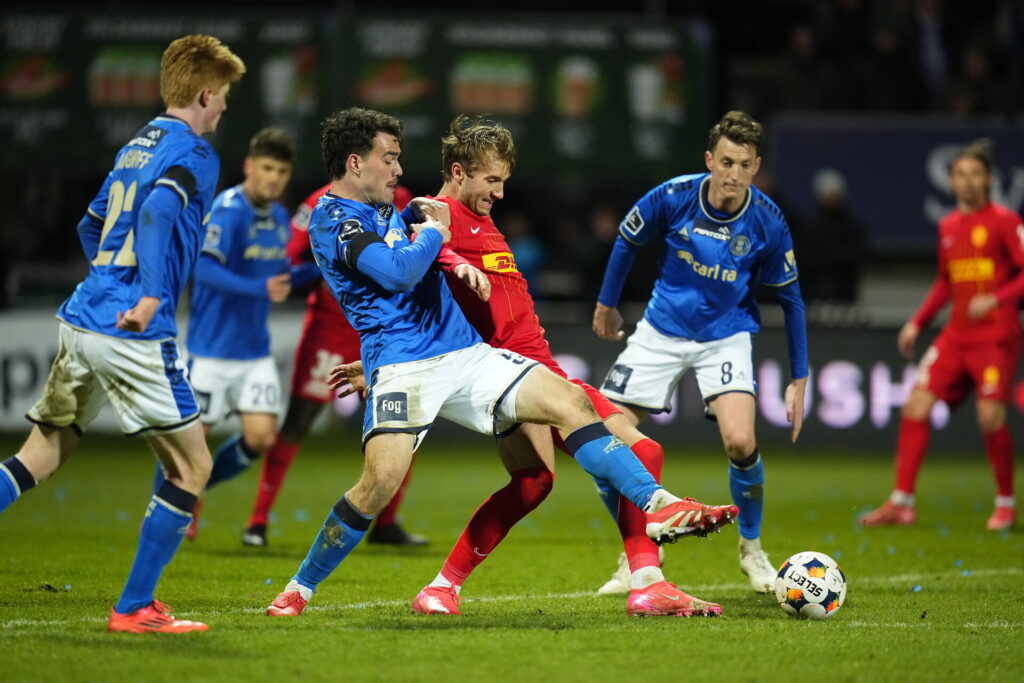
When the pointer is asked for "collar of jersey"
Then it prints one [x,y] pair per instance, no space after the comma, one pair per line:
[171,118]
[262,212]
[710,212]
[459,206]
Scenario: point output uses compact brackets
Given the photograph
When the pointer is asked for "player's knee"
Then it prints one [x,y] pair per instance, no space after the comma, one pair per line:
[991,420]
[534,485]
[576,408]
[738,443]
[260,442]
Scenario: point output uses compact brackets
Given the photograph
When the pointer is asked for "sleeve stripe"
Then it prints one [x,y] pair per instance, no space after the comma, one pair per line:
[216,254]
[623,235]
[176,187]
[780,284]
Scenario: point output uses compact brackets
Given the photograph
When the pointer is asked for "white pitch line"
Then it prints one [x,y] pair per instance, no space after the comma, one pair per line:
[698,588]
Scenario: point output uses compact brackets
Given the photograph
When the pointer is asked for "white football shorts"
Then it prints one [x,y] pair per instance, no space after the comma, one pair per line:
[145,381]
[224,387]
[475,387]
[647,371]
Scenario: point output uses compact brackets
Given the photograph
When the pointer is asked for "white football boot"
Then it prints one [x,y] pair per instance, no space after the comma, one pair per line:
[620,583]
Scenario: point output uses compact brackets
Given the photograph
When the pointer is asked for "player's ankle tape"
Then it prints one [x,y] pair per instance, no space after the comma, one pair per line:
[177,497]
[348,514]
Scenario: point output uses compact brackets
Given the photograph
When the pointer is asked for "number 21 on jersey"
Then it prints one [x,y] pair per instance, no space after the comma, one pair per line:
[119,200]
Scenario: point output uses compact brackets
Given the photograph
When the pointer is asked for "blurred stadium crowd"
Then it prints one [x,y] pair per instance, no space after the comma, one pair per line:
[959,60]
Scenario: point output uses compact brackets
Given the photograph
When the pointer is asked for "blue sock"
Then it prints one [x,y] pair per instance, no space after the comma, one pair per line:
[231,459]
[15,479]
[606,457]
[609,496]
[167,519]
[746,483]
[342,530]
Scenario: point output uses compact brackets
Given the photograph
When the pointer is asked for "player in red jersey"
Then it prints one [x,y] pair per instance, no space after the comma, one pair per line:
[327,339]
[981,270]
[477,159]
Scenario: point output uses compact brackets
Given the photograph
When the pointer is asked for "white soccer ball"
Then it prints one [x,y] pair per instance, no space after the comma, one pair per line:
[810,585]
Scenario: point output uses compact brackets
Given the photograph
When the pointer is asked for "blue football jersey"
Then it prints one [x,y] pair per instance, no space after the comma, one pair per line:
[250,242]
[394,326]
[166,152]
[712,262]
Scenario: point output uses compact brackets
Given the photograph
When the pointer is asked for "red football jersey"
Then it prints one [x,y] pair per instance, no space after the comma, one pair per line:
[979,253]
[299,251]
[508,319]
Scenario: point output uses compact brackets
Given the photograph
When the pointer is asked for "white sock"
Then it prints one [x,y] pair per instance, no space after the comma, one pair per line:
[441,582]
[902,498]
[644,577]
[1006,502]
[306,593]
[660,499]
[748,545]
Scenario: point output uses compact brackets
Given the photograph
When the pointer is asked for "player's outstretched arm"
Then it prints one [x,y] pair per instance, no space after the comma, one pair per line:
[347,378]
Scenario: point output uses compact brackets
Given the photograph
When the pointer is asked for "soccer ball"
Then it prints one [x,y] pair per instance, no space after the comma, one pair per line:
[810,585]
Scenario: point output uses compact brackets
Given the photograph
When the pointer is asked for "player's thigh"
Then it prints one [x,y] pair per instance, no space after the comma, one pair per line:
[647,371]
[212,379]
[943,371]
[260,390]
[546,398]
[486,384]
[620,420]
[145,382]
[407,397]
[72,395]
[323,345]
[185,456]
[46,449]
[725,366]
[919,404]
[991,415]
[735,412]
[993,367]
[528,446]
[387,456]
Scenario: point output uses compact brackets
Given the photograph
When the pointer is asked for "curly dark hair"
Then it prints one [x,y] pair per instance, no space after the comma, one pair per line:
[739,127]
[473,142]
[274,143]
[351,131]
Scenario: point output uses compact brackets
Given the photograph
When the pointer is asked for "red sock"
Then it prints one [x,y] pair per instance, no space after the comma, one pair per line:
[640,550]
[389,515]
[493,520]
[911,447]
[999,446]
[275,466]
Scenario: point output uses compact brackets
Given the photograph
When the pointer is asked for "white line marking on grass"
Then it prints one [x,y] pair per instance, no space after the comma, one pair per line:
[697,588]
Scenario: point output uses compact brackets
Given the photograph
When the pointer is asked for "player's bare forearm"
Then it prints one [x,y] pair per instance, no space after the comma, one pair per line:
[608,323]
[347,378]
[475,279]
[138,317]
[795,393]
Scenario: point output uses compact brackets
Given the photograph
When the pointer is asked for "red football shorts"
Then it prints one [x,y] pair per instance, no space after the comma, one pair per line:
[949,369]
[327,340]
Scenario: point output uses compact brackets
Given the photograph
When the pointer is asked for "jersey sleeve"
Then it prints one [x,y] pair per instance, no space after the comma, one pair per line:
[193,174]
[222,232]
[647,218]
[779,261]
[1013,239]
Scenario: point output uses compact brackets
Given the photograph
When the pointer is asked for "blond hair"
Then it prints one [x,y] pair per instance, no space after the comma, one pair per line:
[192,63]
[473,142]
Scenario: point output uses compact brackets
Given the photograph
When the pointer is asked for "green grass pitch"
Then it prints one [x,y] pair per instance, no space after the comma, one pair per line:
[938,601]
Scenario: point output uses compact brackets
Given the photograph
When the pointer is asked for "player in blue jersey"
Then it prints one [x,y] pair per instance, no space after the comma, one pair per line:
[721,235]
[423,359]
[242,269]
[141,235]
